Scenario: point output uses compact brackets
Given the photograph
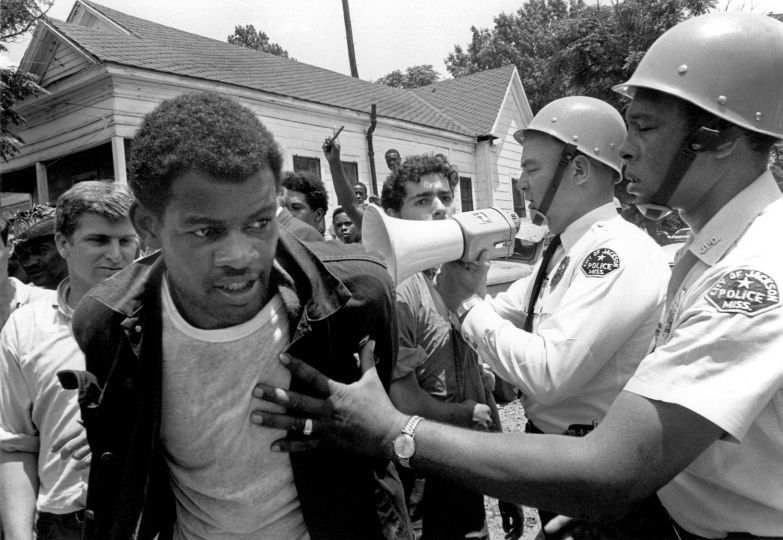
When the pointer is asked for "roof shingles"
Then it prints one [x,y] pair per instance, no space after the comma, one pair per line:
[157,47]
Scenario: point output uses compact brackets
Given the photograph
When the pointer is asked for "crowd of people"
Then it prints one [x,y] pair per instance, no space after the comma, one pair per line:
[258,375]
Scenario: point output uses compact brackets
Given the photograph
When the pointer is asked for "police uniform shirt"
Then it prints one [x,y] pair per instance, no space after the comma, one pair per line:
[595,320]
[720,354]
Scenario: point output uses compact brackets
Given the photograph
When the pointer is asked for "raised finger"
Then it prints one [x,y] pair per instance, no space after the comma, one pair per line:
[307,374]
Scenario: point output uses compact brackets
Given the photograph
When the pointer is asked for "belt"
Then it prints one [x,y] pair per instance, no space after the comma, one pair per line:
[76,517]
[574,430]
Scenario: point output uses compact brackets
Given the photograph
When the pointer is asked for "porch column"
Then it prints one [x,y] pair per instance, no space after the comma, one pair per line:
[41,183]
[118,159]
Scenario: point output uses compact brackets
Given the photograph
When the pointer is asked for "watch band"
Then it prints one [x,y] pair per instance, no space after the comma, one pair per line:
[411,424]
[409,431]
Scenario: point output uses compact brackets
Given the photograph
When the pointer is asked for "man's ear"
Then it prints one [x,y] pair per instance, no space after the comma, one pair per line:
[391,212]
[62,244]
[147,224]
[581,170]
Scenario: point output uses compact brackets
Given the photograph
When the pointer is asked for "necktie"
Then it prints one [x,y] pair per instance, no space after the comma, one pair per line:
[545,259]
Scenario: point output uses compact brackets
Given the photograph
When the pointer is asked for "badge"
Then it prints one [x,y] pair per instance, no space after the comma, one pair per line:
[600,263]
[745,291]
[558,275]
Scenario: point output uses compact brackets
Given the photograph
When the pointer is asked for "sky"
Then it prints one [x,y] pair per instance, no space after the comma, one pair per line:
[388,34]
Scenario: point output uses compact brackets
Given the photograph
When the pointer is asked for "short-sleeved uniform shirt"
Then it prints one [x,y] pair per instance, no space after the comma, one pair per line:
[720,354]
[594,321]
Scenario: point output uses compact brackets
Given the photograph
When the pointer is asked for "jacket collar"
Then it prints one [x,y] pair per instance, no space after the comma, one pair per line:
[301,277]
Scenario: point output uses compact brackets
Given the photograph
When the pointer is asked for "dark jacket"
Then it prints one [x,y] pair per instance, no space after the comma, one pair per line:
[334,296]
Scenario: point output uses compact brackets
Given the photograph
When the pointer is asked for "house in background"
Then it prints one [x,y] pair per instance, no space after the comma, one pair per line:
[104,70]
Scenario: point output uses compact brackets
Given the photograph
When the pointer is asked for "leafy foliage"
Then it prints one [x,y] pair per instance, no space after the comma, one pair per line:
[575,47]
[246,36]
[17,17]
[413,77]
[14,86]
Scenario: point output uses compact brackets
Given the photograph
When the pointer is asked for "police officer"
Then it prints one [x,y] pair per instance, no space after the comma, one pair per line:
[569,339]
[700,421]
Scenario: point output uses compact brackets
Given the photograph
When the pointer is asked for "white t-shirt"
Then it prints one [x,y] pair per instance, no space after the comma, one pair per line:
[720,354]
[227,482]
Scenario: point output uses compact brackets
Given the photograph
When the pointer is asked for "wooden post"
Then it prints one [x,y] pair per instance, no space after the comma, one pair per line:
[118,159]
[349,39]
[41,183]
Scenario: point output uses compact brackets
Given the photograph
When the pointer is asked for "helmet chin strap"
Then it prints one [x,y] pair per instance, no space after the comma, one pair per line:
[701,139]
[566,156]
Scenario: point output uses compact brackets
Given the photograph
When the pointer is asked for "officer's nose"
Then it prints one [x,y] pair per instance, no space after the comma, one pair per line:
[627,150]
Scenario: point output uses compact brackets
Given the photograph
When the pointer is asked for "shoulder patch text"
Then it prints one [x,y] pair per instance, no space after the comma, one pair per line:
[600,263]
[745,291]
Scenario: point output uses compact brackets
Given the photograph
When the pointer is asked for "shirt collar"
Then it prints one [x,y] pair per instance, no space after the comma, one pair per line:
[578,228]
[62,298]
[723,230]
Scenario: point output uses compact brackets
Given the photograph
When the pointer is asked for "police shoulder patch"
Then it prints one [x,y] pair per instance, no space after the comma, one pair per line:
[600,263]
[744,291]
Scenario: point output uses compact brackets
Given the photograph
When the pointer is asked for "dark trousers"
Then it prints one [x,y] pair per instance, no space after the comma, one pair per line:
[442,510]
[59,526]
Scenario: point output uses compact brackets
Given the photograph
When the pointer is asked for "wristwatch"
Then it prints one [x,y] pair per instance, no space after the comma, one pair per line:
[466,306]
[404,443]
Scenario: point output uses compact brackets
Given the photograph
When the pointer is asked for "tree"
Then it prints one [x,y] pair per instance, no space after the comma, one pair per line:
[414,77]
[576,47]
[17,17]
[246,36]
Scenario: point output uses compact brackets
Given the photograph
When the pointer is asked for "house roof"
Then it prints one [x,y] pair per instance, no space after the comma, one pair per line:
[473,100]
[152,46]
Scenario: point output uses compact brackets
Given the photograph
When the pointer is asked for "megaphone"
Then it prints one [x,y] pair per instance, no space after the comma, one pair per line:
[410,246]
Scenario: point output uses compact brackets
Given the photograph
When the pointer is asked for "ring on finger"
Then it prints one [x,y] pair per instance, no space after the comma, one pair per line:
[308,427]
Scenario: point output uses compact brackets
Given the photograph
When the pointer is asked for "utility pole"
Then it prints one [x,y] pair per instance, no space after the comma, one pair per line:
[349,39]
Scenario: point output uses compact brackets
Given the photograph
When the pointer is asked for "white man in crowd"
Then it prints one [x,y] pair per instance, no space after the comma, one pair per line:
[699,422]
[40,489]
[437,375]
[175,344]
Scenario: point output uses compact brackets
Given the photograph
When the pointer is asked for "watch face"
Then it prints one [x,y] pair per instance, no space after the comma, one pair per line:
[404,446]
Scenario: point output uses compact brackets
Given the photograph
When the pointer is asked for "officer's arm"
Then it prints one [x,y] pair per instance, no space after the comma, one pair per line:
[18,491]
[639,447]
